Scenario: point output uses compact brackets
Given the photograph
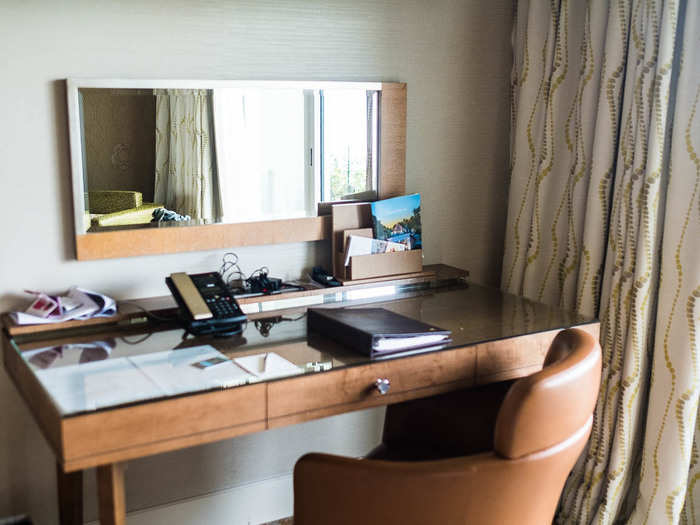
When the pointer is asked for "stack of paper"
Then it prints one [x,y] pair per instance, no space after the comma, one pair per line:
[358,245]
[76,304]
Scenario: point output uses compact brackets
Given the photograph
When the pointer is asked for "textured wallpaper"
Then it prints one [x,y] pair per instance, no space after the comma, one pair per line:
[455,57]
[120,140]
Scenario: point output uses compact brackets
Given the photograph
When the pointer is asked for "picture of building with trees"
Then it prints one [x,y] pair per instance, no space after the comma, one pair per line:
[398,220]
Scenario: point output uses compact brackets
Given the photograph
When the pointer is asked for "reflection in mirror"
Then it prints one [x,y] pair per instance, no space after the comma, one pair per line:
[162,156]
[349,143]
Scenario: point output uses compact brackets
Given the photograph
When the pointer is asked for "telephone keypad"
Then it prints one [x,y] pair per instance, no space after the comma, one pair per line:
[221,307]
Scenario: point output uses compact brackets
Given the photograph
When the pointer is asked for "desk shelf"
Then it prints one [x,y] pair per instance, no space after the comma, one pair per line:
[131,311]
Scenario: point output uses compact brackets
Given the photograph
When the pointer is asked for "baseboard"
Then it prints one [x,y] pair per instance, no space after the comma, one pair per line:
[248,504]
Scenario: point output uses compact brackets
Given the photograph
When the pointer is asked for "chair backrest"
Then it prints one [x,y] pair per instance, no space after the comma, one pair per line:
[541,428]
[548,407]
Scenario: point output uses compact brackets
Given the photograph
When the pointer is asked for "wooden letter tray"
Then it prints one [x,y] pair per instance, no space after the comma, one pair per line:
[361,267]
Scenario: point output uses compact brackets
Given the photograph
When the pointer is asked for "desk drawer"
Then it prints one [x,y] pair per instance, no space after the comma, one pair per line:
[124,433]
[323,394]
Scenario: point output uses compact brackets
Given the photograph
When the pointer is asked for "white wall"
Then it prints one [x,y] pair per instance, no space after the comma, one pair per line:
[455,57]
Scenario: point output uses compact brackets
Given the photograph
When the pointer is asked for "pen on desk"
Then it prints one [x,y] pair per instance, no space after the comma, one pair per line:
[264,367]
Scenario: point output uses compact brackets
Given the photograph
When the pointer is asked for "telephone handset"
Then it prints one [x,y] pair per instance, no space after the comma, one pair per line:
[206,303]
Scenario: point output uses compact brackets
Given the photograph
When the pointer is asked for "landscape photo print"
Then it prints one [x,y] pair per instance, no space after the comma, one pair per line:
[398,220]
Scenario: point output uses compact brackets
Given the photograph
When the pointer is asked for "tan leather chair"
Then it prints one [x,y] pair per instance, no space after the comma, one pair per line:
[541,428]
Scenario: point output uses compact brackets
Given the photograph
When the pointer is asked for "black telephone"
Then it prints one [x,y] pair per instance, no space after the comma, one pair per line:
[206,303]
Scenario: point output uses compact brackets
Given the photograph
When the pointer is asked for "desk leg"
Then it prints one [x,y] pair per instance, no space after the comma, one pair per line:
[70,496]
[110,492]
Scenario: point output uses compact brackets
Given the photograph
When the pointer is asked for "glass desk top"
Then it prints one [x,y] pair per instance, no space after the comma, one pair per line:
[119,366]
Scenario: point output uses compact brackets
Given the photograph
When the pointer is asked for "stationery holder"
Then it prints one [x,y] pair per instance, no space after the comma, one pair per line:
[356,219]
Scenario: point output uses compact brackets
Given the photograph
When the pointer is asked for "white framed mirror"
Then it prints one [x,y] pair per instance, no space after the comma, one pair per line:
[164,165]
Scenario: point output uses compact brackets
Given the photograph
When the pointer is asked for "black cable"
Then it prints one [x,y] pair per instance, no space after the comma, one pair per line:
[231,271]
[265,325]
[216,332]
[138,341]
[230,268]
[294,318]
[263,270]
[148,313]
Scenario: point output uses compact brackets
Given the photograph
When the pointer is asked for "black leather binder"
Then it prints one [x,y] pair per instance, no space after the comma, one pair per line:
[375,331]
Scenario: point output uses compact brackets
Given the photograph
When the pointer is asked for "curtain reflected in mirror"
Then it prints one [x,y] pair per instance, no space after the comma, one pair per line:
[155,157]
[184,174]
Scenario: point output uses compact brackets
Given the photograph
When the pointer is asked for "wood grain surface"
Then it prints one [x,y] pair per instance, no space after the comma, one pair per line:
[70,496]
[354,386]
[110,494]
[392,164]
[154,241]
[149,428]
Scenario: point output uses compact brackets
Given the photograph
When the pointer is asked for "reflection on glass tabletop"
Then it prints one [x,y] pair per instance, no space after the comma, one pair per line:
[127,365]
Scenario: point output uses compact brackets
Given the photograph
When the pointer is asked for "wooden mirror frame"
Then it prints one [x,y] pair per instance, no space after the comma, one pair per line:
[155,241]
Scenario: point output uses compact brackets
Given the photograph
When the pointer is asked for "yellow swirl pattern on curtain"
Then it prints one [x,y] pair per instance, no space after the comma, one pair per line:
[593,89]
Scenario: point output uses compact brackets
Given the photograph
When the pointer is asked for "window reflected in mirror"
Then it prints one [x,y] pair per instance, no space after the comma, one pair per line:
[348,120]
[174,157]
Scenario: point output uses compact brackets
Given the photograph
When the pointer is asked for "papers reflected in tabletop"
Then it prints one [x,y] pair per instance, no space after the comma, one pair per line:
[176,371]
[117,381]
[268,365]
[98,384]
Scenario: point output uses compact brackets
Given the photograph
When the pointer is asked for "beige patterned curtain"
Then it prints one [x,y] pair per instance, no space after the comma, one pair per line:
[604,218]
[185,180]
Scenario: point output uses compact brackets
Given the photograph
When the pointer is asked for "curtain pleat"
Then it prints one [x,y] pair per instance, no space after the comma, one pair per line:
[604,217]
[669,465]
[184,179]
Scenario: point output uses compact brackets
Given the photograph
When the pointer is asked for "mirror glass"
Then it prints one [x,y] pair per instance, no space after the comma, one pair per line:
[165,153]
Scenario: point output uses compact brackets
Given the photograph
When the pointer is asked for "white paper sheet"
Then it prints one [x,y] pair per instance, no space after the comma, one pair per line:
[173,372]
[358,245]
[385,344]
[99,384]
[68,354]
[268,366]
[90,304]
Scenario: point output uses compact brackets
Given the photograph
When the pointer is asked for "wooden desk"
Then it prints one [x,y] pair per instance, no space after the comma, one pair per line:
[496,336]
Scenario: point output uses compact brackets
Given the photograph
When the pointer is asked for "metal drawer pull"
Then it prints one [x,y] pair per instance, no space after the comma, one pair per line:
[382,385]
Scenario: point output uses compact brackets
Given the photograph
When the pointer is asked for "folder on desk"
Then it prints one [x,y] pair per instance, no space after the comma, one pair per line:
[375,331]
